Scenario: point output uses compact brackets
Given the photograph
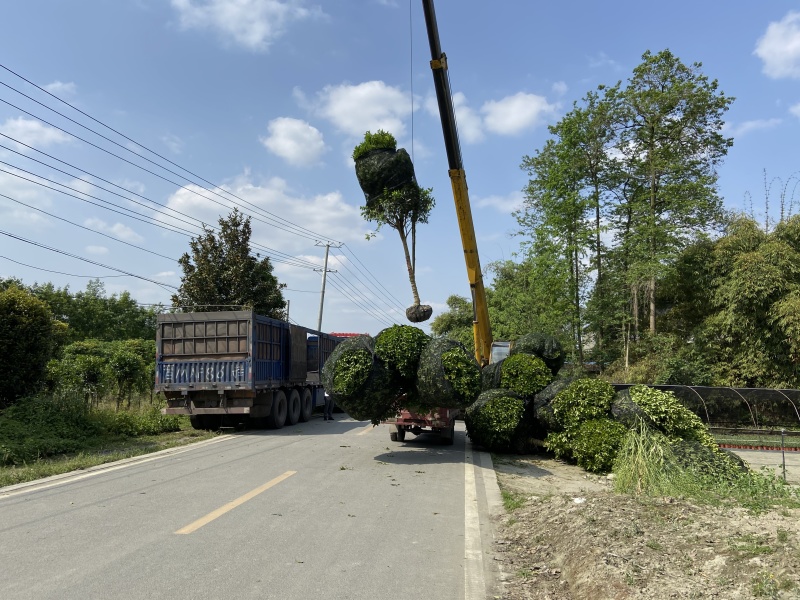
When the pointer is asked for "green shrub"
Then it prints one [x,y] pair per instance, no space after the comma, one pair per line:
[27,331]
[132,424]
[493,419]
[525,374]
[596,443]
[544,346]
[448,375]
[582,400]
[359,381]
[373,141]
[670,416]
[400,347]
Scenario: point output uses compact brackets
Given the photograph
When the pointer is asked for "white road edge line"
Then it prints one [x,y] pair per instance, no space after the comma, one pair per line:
[474,581]
[56,480]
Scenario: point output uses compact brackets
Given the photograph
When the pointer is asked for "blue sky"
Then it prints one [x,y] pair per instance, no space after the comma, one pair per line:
[262,101]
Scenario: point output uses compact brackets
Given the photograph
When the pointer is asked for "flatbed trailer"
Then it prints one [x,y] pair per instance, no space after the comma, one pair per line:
[441,421]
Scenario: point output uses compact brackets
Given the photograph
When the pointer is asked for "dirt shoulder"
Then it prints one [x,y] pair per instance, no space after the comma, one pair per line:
[574,538]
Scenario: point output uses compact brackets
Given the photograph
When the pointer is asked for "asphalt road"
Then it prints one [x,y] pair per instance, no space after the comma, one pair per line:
[319,510]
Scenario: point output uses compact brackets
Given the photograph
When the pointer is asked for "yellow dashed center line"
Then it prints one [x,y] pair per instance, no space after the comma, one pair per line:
[192,527]
[366,429]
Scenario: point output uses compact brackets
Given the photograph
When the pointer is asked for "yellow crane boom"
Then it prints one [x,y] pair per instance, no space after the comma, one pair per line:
[481,330]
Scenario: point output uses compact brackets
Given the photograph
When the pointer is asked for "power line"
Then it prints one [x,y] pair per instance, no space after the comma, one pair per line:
[299,228]
[27,241]
[61,273]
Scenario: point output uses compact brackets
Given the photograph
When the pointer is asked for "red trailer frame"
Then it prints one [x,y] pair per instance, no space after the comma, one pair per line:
[441,421]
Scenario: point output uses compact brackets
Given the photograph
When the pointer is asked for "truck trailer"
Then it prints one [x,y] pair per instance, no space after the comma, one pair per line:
[234,367]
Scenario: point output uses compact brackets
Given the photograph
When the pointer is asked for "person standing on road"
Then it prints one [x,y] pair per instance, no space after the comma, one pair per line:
[328,411]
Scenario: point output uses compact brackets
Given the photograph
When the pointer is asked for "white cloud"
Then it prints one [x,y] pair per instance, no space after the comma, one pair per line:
[504,204]
[795,110]
[779,47]
[173,143]
[59,88]
[297,142]
[560,88]
[253,24]
[749,126]
[13,214]
[470,125]
[514,114]
[33,133]
[368,106]
[118,230]
[96,250]
[328,214]
[165,274]
[602,60]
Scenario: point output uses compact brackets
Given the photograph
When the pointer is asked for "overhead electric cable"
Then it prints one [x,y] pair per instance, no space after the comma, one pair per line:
[281,219]
[379,296]
[60,272]
[290,260]
[65,253]
[377,316]
[371,275]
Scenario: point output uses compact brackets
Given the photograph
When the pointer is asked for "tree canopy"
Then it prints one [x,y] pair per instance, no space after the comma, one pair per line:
[221,273]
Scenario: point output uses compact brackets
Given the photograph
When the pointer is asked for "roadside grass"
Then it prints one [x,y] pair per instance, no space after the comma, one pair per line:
[648,466]
[43,436]
[512,500]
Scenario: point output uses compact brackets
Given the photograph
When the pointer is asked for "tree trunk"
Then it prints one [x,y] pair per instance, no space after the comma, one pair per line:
[652,293]
[410,265]
[635,291]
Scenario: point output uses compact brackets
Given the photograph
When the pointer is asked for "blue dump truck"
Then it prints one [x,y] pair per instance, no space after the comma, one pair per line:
[237,367]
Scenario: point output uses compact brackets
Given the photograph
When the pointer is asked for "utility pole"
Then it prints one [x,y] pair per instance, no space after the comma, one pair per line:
[324,278]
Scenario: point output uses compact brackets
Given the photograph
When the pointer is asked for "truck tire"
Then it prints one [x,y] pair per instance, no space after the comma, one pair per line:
[401,434]
[393,436]
[277,416]
[197,421]
[306,405]
[294,409]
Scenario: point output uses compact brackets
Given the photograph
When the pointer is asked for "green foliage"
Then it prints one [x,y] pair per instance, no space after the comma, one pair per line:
[583,400]
[448,375]
[670,416]
[648,463]
[41,426]
[546,347]
[524,374]
[456,322]
[592,444]
[597,442]
[356,357]
[26,336]
[493,418]
[221,272]
[399,347]
[133,424]
[359,381]
[381,139]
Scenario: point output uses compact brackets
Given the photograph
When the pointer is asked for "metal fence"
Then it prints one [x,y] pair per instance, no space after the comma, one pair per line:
[753,408]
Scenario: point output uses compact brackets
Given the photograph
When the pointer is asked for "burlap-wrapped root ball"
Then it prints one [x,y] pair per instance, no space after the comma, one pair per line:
[359,381]
[544,346]
[448,375]
[384,169]
[493,418]
[400,347]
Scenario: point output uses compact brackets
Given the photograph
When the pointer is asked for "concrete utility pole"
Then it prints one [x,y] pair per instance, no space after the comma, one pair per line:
[324,279]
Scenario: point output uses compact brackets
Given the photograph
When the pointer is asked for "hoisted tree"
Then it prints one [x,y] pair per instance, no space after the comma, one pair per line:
[393,198]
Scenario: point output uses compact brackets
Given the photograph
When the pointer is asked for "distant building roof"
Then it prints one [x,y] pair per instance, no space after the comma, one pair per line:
[346,335]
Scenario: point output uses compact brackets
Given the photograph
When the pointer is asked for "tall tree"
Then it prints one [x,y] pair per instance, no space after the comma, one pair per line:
[671,140]
[221,272]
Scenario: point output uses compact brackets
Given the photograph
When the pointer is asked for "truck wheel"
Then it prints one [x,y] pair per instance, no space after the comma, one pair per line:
[197,421]
[401,434]
[393,436]
[294,408]
[277,416]
[212,422]
[306,405]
